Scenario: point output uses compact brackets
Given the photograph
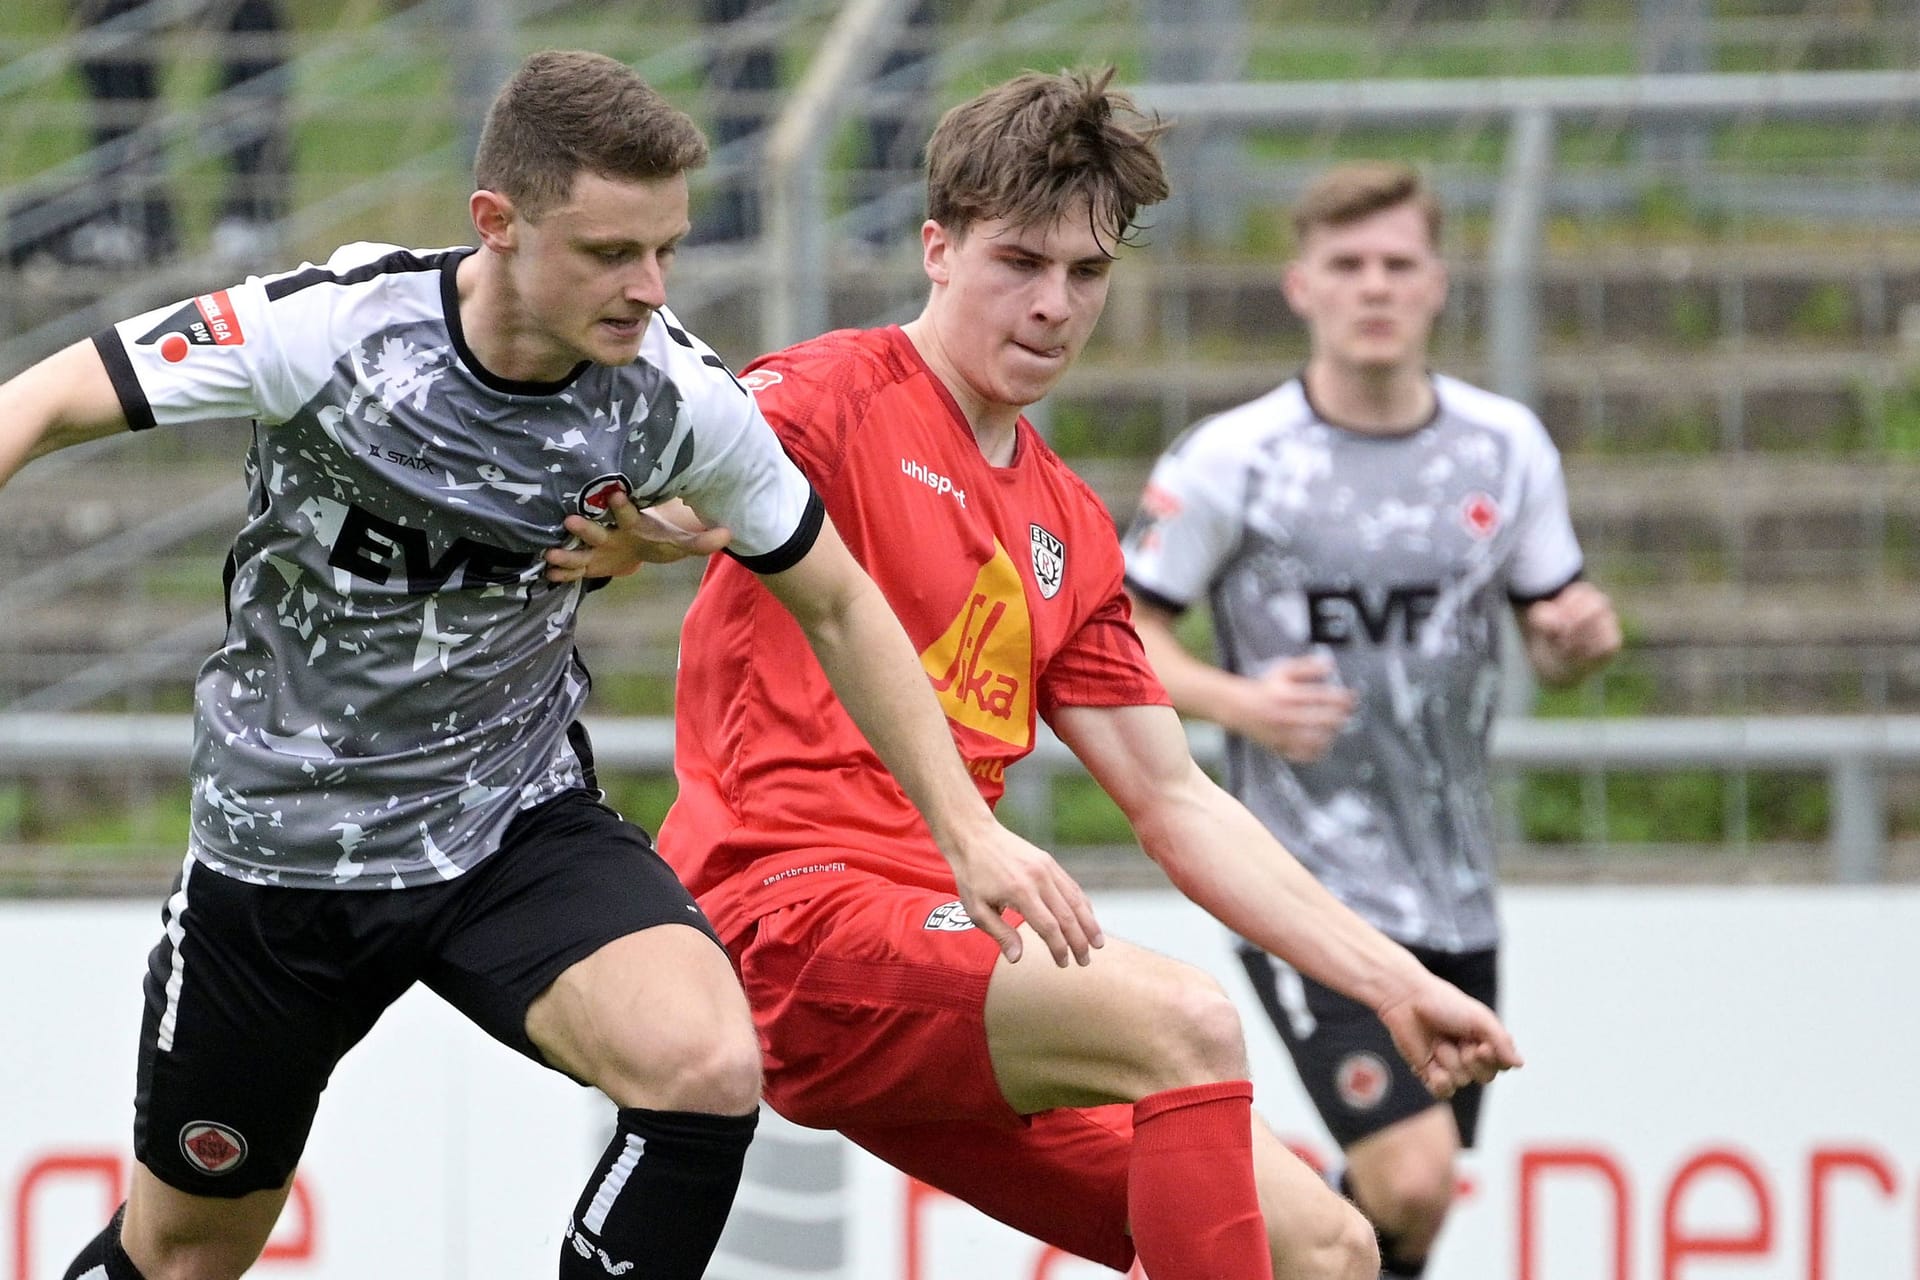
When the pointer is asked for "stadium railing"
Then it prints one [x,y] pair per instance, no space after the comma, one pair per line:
[1854,753]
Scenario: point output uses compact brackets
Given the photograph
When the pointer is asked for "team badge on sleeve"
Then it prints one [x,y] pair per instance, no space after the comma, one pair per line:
[1049,561]
[206,321]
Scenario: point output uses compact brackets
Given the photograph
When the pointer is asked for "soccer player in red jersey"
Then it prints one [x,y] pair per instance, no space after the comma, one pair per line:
[1106,1108]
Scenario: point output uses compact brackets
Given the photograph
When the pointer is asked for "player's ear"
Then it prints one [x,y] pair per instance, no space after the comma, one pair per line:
[1290,285]
[494,220]
[936,248]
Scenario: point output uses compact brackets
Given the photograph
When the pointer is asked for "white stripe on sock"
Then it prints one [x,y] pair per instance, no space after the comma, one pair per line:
[177,974]
[596,1219]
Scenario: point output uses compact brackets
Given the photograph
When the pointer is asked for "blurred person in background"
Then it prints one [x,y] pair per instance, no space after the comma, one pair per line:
[133,221]
[745,72]
[1357,535]
[390,784]
[1105,1110]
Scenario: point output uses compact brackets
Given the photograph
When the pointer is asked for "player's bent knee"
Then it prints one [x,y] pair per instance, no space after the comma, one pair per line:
[1200,1037]
[1414,1195]
[713,1068]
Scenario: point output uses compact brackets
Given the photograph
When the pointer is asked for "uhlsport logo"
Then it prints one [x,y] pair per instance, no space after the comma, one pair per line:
[595,499]
[1363,1080]
[949,917]
[211,1147]
[1049,561]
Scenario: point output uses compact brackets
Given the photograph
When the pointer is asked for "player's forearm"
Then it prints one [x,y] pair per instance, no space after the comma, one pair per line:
[64,400]
[879,680]
[1220,856]
[1197,688]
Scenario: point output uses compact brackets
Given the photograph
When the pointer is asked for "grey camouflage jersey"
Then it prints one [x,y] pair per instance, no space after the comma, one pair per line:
[1395,557]
[398,680]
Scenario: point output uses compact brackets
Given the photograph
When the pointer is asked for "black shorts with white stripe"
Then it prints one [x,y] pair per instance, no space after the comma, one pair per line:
[256,991]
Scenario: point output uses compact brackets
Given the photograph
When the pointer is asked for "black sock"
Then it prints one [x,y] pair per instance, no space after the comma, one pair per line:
[103,1258]
[658,1197]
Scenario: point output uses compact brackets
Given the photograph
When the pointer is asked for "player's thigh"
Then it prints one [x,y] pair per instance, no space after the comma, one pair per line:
[571,879]
[253,994]
[1345,1056]
[1061,1177]
[1130,1024]
[870,998]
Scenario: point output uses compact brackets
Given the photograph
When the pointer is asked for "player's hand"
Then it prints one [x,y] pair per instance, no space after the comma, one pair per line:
[1449,1038]
[1001,872]
[656,535]
[1578,627]
[1294,709]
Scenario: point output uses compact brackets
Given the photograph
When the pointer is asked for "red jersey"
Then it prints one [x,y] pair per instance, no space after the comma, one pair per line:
[1006,579]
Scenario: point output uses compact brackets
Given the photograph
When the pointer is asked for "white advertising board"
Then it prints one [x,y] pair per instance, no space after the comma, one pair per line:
[1719,1088]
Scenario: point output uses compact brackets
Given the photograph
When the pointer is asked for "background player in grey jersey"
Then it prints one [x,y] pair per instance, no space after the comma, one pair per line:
[1357,534]
[389,785]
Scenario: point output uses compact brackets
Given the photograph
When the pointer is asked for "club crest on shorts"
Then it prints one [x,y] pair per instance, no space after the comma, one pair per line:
[949,917]
[596,496]
[1362,1080]
[211,1147]
[1049,561]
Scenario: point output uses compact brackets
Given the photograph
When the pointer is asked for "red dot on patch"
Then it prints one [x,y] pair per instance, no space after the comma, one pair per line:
[173,348]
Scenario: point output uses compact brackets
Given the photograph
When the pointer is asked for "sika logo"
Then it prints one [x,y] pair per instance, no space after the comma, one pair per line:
[1362,1080]
[1481,515]
[212,1148]
[595,498]
[982,665]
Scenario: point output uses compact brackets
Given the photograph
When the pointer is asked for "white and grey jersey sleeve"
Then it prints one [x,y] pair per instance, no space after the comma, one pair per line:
[736,473]
[260,349]
[1191,517]
[1546,552]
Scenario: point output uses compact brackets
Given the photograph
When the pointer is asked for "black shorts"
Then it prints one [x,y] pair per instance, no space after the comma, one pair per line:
[1345,1056]
[256,992]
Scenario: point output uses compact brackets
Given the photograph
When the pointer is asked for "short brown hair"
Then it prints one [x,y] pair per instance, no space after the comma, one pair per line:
[569,110]
[1027,149]
[1349,192]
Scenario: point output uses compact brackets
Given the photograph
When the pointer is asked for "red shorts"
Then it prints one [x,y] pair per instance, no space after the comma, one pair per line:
[870,1000]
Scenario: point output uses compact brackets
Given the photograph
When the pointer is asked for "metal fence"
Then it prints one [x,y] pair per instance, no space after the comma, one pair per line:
[1853,754]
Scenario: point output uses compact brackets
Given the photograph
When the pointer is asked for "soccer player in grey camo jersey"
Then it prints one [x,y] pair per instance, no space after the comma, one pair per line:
[389,783]
[1357,534]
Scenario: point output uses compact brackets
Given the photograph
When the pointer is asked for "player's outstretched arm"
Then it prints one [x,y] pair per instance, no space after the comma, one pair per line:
[66,399]
[1220,856]
[877,675]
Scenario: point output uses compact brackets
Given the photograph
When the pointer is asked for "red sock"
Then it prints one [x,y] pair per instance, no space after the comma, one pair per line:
[1190,1192]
